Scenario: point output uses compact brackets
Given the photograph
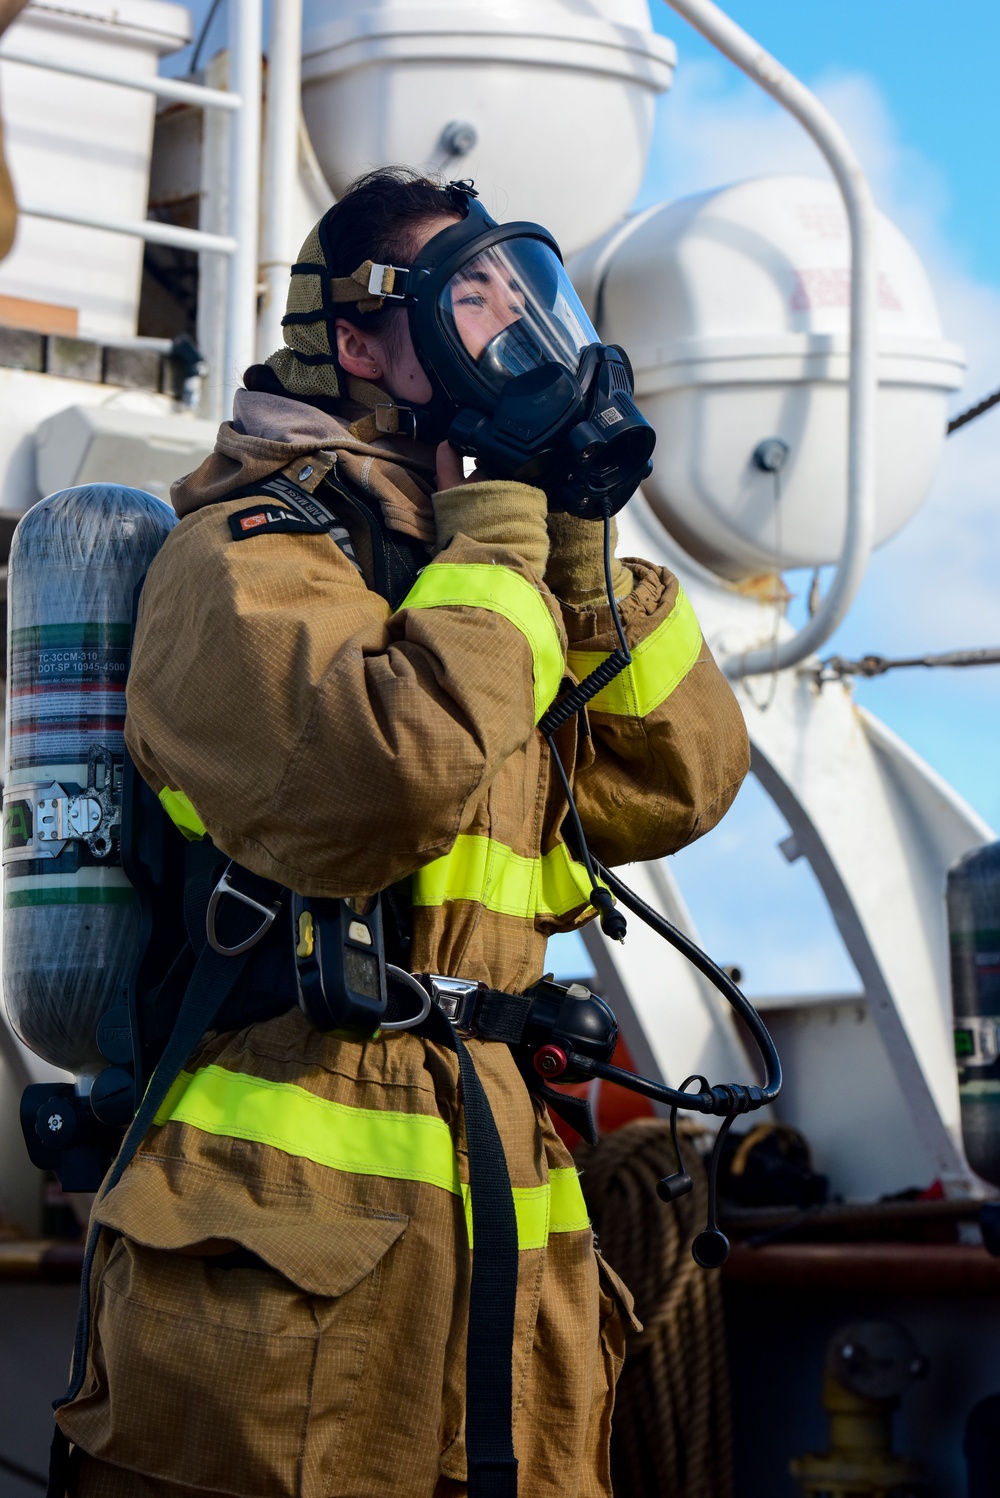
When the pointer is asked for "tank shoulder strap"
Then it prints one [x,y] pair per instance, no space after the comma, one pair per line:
[396,559]
[300,511]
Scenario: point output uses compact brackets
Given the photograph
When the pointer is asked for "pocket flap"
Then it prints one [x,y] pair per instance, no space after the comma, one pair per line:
[619,1292]
[321,1246]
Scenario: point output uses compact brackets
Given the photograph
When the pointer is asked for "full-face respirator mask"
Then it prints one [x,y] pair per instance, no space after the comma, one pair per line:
[520,378]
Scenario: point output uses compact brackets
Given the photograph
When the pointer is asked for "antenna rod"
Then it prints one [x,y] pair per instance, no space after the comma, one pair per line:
[245,21]
[281,168]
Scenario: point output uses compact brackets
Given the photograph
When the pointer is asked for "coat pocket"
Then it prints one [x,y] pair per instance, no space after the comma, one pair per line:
[230,1333]
[617,1312]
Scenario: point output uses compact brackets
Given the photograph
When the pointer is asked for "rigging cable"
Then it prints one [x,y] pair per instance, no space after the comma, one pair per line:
[964,417]
[203,35]
[836,667]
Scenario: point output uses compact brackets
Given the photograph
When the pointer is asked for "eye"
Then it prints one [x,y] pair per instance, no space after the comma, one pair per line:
[472,299]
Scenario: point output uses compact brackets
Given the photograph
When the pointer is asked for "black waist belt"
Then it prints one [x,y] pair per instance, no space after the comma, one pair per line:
[477,1010]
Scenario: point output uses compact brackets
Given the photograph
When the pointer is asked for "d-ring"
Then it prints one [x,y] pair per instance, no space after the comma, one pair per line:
[425,1000]
[225,888]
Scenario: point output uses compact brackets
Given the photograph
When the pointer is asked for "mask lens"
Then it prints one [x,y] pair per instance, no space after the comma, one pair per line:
[512,308]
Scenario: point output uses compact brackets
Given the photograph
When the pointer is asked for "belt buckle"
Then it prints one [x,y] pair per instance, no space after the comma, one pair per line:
[456,998]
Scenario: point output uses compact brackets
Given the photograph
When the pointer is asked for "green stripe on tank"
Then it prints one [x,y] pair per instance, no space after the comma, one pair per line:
[17,899]
[72,634]
[986,1091]
[984,936]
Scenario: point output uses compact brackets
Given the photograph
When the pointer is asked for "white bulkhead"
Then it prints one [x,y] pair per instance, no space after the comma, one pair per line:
[80,145]
[734,306]
[548,104]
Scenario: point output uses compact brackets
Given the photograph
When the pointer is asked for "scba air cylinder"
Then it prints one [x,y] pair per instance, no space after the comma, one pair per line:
[70,914]
[974,930]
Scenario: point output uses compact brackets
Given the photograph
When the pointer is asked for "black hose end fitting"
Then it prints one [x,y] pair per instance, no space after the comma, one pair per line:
[732,1098]
[710,1249]
[672,1187]
[613,923]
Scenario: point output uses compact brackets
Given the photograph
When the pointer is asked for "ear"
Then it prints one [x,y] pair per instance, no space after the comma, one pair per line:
[360,352]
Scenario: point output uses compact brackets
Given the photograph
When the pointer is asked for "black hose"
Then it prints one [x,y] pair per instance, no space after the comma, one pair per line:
[728,1099]
[711,970]
[619,660]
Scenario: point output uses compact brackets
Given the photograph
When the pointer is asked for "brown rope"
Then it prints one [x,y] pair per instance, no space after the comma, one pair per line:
[671,1434]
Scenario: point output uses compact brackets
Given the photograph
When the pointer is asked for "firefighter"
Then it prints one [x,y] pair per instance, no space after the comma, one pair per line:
[280,1299]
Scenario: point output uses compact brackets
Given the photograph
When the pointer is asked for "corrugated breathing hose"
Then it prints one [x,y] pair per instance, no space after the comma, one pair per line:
[671,1435]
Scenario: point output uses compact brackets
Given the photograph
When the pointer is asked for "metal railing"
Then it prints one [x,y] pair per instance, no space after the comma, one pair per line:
[242,101]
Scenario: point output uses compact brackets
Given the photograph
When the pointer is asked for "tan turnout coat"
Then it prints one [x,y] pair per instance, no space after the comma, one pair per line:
[338,747]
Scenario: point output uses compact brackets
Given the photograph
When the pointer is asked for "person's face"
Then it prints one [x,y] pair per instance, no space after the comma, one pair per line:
[485,299]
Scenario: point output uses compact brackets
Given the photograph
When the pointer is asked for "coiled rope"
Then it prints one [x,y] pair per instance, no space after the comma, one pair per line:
[671,1434]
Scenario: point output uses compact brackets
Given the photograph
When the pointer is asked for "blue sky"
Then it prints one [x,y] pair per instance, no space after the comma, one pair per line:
[935,68]
[914,87]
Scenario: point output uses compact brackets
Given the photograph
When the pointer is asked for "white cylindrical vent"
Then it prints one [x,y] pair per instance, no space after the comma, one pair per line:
[548,104]
[734,309]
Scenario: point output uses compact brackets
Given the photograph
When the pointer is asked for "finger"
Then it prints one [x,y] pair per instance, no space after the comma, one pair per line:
[449,467]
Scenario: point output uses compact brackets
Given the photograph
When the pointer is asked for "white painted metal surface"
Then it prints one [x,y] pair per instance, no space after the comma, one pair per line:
[27,399]
[734,307]
[559,97]
[81,146]
[859,530]
[143,449]
[279,241]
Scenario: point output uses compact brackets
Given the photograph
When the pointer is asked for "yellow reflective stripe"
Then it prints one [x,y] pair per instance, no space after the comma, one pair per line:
[183,815]
[531,1207]
[481,869]
[481,585]
[542,1210]
[358,1141]
[659,664]
[568,1210]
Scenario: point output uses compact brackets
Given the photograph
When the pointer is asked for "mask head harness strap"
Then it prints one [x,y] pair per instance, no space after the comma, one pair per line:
[372,284]
[369,287]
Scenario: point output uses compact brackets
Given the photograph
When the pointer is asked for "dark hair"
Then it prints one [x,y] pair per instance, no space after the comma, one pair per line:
[375,220]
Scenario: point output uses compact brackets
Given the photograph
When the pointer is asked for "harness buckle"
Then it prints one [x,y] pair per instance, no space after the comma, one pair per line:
[226,887]
[406,421]
[377,278]
[457,998]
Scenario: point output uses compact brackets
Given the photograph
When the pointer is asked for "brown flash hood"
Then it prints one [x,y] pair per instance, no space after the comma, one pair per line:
[270,432]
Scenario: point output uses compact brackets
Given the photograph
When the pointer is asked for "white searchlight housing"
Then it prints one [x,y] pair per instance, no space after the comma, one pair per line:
[734,308]
[547,104]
